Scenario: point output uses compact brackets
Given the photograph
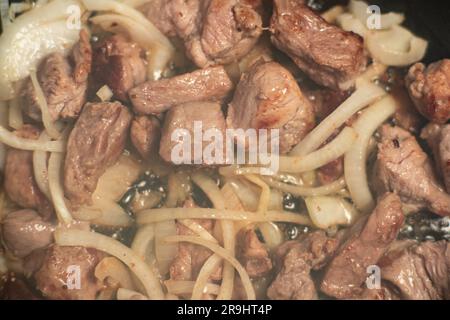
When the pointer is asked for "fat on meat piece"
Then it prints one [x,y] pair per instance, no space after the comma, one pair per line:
[268,97]
[19,182]
[120,64]
[155,97]
[329,55]
[64,82]
[429,88]
[404,168]
[95,143]
[367,241]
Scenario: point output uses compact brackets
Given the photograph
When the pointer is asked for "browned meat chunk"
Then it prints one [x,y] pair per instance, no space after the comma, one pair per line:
[154,97]
[19,180]
[327,54]
[444,155]
[402,167]
[57,280]
[295,261]
[252,254]
[191,257]
[63,81]
[119,64]
[15,288]
[429,88]
[406,115]
[145,134]
[95,143]
[217,31]
[438,138]
[158,12]
[419,272]
[24,231]
[184,117]
[367,242]
[325,101]
[269,97]
[331,171]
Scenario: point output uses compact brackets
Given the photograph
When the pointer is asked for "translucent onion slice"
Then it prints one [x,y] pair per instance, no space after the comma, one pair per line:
[16,142]
[365,94]
[396,47]
[40,167]
[56,190]
[165,252]
[248,287]
[113,247]
[32,36]
[333,150]
[356,158]
[139,28]
[326,212]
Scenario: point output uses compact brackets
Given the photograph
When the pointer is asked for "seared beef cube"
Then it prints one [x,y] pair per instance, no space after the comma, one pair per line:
[329,55]
[404,168]
[64,83]
[268,97]
[253,254]
[24,231]
[95,143]
[295,260]
[19,182]
[119,64]
[184,117]
[429,88]
[145,134]
[55,276]
[155,97]
[367,241]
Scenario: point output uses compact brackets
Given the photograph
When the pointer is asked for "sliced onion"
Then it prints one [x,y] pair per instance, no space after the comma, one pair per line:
[16,142]
[365,94]
[396,47]
[332,14]
[111,269]
[356,158]
[139,28]
[3,122]
[56,190]
[359,9]
[105,93]
[349,23]
[32,36]
[15,114]
[126,294]
[327,212]
[302,191]
[40,167]
[115,248]
[117,179]
[272,234]
[333,150]
[165,252]
[49,125]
